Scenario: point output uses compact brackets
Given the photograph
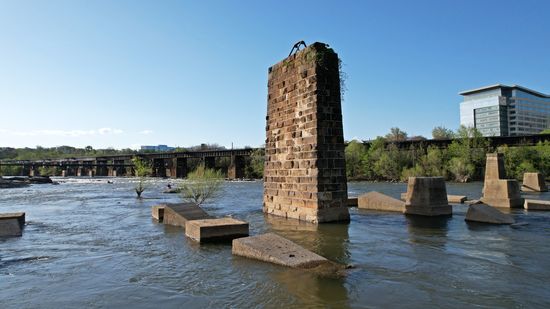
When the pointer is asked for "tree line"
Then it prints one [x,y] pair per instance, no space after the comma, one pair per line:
[463,160]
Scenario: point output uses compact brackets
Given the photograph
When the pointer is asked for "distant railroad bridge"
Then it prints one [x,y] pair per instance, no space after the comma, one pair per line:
[174,164]
[166,164]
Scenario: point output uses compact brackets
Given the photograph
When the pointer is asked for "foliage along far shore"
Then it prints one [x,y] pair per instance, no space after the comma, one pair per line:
[463,160]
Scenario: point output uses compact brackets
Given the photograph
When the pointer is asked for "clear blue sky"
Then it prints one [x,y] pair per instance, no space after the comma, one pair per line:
[128,73]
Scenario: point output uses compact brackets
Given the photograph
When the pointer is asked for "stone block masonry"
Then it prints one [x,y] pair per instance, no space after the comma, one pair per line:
[305,172]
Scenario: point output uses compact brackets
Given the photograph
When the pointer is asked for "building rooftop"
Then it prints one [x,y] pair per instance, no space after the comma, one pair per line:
[495,86]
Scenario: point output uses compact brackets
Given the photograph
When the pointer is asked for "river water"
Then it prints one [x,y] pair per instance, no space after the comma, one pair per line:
[91,244]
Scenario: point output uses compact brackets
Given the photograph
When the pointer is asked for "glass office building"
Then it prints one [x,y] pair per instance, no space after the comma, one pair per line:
[501,110]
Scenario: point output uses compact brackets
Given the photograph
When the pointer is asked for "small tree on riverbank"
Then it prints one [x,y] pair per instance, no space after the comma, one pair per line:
[201,185]
[142,169]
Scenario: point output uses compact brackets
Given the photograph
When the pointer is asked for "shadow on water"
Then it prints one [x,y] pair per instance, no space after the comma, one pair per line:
[329,240]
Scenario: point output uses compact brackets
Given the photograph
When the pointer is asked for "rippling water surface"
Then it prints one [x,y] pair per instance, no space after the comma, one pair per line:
[91,244]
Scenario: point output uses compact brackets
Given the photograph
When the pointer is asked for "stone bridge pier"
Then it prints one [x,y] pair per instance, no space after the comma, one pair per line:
[25,170]
[101,168]
[181,167]
[305,168]
[33,171]
[67,171]
[159,168]
[176,167]
[236,168]
[209,162]
[119,168]
[85,169]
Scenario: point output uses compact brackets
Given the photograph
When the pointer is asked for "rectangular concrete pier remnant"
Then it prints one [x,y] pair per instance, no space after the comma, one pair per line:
[157,212]
[305,171]
[216,229]
[427,196]
[497,191]
[275,249]
[533,182]
[377,201]
[11,224]
[536,205]
[179,214]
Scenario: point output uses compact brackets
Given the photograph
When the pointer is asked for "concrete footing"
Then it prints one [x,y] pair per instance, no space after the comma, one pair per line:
[378,201]
[157,212]
[487,214]
[216,229]
[427,196]
[179,214]
[11,224]
[276,249]
[533,182]
[497,190]
[502,193]
[536,205]
[456,199]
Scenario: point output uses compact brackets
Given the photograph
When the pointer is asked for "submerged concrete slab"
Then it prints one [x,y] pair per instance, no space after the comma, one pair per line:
[427,196]
[456,199]
[536,205]
[378,201]
[11,224]
[487,214]
[216,229]
[533,182]
[157,212]
[276,249]
[179,214]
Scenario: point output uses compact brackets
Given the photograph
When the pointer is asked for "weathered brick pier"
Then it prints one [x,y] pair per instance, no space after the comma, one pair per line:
[305,174]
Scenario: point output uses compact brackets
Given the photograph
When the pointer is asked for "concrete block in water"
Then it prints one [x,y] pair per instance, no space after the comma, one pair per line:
[502,193]
[352,201]
[498,191]
[533,182]
[487,214]
[276,249]
[11,224]
[536,205]
[378,201]
[216,229]
[427,196]
[157,212]
[456,199]
[179,214]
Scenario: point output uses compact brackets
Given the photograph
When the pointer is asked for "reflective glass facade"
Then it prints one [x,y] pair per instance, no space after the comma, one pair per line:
[505,110]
